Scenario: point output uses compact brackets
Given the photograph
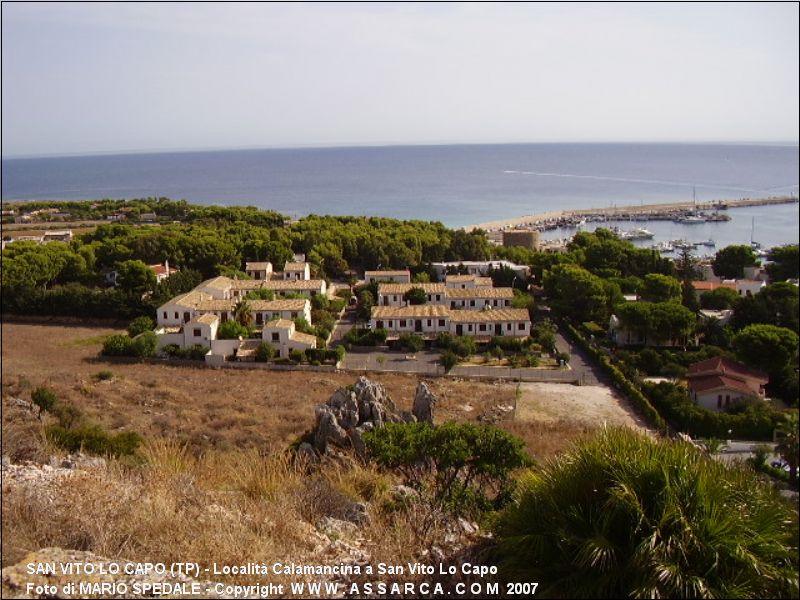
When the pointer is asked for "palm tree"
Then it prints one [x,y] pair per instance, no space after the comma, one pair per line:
[625,515]
[242,313]
[788,444]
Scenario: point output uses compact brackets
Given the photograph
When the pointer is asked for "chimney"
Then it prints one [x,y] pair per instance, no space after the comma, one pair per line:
[166,266]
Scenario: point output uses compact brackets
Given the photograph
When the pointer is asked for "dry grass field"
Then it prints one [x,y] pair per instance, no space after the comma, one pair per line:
[233,409]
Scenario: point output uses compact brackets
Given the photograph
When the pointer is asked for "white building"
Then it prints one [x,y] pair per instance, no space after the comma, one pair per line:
[283,335]
[749,287]
[294,271]
[391,294]
[467,281]
[481,267]
[258,270]
[433,319]
[387,276]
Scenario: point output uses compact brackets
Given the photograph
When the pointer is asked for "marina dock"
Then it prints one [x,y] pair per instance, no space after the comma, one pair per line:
[674,211]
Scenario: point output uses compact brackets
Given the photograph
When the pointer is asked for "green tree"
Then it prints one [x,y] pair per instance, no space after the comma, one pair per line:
[576,293]
[231,330]
[135,276]
[265,352]
[719,299]
[625,515]
[140,325]
[784,262]
[243,313]
[766,347]
[730,262]
[456,465]
[44,398]
[415,295]
[788,444]
[365,303]
[412,342]
[660,288]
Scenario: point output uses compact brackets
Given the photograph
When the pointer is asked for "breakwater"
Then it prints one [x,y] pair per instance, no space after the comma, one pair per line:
[674,211]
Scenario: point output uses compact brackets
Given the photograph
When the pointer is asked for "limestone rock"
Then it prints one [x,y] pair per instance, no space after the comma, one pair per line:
[424,401]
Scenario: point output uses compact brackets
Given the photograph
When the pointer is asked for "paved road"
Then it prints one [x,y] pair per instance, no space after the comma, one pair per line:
[583,366]
[345,324]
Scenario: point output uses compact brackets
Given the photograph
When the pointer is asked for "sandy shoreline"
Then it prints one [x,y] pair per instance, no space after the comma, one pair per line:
[630,209]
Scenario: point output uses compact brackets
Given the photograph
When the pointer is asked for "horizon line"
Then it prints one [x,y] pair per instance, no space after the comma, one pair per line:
[184,150]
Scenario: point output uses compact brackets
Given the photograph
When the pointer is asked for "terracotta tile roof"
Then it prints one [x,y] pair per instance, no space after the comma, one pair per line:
[290,304]
[294,266]
[402,288]
[190,299]
[162,270]
[725,366]
[708,286]
[277,284]
[207,319]
[420,311]
[217,283]
[258,266]
[406,273]
[279,324]
[216,305]
[707,383]
[480,292]
[495,314]
[304,338]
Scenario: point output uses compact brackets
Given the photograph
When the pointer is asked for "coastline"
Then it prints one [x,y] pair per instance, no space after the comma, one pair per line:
[658,211]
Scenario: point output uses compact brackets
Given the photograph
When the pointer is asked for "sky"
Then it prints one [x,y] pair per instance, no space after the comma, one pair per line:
[87,78]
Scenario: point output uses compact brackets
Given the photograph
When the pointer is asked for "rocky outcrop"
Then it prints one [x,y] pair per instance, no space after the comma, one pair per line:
[424,401]
[350,412]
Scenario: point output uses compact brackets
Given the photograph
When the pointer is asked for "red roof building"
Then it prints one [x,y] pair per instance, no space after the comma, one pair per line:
[716,382]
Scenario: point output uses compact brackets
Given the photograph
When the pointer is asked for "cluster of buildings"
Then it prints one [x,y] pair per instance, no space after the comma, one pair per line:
[717,382]
[44,237]
[462,305]
[193,318]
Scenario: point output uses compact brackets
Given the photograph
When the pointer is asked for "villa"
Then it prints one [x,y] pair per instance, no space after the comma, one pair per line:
[716,382]
[480,267]
[475,297]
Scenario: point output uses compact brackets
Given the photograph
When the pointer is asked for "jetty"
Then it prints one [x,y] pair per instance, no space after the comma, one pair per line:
[670,211]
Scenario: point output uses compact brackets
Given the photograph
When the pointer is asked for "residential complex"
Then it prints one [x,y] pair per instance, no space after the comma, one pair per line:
[462,305]
[194,317]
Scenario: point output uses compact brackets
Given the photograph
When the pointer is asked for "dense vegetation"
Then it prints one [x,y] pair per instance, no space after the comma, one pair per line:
[626,516]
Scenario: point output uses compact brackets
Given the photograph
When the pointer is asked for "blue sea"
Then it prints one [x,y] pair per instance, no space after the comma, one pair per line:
[458,184]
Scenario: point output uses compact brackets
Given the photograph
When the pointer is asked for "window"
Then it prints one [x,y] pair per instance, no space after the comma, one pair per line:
[727,400]
[294,315]
[197,332]
[430,322]
[259,318]
[483,327]
[521,326]
[441,322]
[438,297]
[186,317]
[472,302]
[402,323]
[719,401]
[391,324]
[276,337]
[165,314]
[224,317]
[508,326]
[176,315]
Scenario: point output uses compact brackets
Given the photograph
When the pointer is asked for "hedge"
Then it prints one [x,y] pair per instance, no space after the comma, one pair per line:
[637,398]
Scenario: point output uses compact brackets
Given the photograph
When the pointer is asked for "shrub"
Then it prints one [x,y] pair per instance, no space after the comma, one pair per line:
[231,330]
[94,439]
[625,515]
[296,355]
[117,345]
[412,342]
[140,325]
[265,352]
[448,360]
[416,295]
[462,467]
[104,375]
[367,337]
[463,346]
[320,302]
[44,398]
[443,340]
[144,345]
